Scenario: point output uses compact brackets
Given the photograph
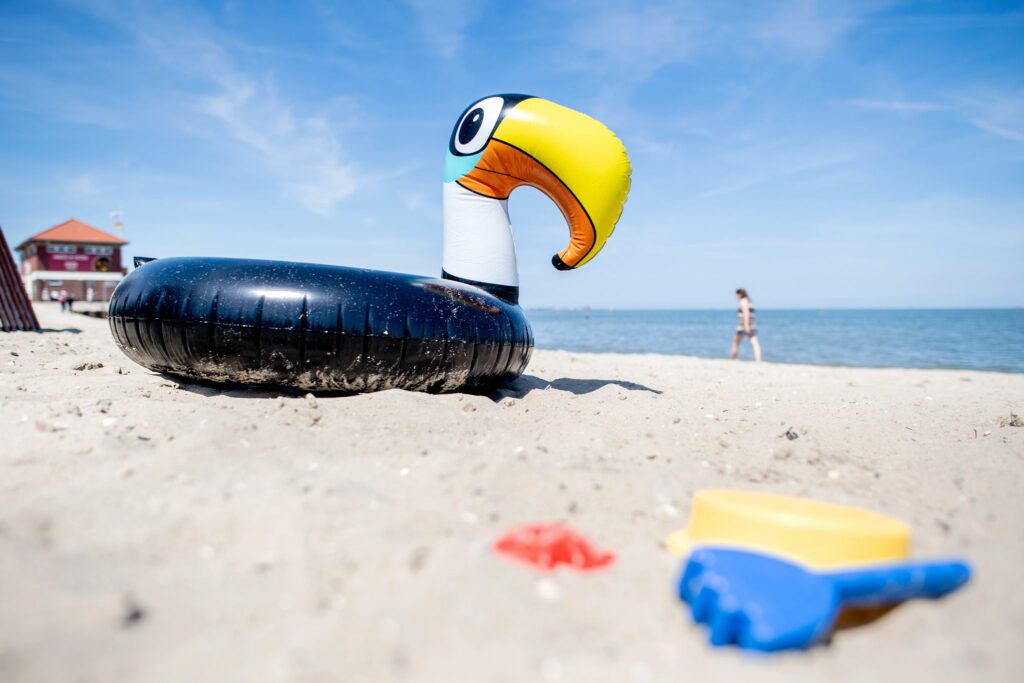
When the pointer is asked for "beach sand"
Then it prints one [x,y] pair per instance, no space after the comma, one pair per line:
[158,530]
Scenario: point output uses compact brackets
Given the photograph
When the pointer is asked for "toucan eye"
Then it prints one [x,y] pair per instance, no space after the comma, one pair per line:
[476,125]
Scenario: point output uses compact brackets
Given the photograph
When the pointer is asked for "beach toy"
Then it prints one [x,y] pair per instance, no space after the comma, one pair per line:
[814,533]
[321,327]
[545,546]
[763,602]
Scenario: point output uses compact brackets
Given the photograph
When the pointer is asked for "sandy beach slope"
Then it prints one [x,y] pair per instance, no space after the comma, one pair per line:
[153,530]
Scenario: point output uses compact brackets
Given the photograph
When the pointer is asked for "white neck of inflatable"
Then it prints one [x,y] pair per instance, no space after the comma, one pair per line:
[478,243]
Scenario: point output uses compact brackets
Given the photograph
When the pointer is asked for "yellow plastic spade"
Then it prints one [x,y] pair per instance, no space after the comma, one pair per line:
[818,534]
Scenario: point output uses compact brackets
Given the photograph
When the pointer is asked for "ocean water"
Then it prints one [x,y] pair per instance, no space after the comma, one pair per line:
[979,339]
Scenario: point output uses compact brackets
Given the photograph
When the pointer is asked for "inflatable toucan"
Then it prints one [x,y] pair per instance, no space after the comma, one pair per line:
[319,327]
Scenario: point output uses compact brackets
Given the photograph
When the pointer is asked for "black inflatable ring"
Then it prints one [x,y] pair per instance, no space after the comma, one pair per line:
[316,327]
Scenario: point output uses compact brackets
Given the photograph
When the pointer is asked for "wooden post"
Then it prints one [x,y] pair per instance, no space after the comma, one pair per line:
[16,311]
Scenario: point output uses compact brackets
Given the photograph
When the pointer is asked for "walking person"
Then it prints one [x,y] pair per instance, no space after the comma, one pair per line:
[746,325]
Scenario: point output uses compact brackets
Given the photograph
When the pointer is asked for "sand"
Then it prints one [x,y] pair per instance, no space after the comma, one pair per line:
[155,530]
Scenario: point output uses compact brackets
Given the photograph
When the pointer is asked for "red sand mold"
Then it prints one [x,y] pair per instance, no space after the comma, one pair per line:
[545,546]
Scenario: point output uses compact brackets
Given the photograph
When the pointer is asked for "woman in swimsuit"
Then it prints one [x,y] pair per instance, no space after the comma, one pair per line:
[746,325]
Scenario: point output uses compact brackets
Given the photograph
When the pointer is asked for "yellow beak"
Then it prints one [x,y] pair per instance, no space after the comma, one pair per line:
[572,158]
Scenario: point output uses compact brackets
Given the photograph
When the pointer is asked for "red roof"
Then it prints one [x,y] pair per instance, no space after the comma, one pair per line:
[74,230]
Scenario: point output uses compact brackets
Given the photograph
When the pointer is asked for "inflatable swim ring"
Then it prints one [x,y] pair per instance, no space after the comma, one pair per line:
[319,327]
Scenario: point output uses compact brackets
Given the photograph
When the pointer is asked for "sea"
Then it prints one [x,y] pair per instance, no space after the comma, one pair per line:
[976,339]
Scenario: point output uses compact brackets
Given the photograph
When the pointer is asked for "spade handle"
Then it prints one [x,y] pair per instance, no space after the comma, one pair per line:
[885,584]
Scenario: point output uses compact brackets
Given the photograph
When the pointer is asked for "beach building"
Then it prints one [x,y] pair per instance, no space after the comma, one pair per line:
[74,257]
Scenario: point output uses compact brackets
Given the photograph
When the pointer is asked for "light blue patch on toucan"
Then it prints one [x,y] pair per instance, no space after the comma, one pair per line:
[455,167]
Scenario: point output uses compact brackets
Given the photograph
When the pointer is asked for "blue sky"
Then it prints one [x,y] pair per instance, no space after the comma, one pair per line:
[820,154]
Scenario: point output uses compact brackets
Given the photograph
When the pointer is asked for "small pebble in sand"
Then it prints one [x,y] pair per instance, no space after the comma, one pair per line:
[547,589]
[791,435]
[640,673]
[133,613]
[550,671]
[310,400]
[88,365]
[14,353]
[469,408]
[418,558]
[1013,421]
[104,405]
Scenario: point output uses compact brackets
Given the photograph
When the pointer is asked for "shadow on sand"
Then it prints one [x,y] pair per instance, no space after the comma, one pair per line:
[516,389]
[231,390]
[527,383]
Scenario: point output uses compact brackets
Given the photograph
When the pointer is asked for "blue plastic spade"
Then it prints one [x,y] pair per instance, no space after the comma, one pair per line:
[763,602]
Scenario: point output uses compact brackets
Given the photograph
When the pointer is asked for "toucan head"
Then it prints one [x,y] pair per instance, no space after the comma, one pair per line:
[505,141]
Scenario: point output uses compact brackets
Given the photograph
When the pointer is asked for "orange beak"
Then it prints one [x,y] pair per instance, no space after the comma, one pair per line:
[504,167]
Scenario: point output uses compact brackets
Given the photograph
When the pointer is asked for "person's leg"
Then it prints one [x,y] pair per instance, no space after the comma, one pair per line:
[757,347]
[736,345]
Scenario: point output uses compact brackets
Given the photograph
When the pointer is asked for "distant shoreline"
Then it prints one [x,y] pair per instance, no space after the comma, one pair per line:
[897,309]
[794,364]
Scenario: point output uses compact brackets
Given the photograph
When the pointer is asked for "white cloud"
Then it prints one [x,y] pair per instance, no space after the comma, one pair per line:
[992,112]
[82,186]
[998,113]
[301,151]
[900,106]
[628,43]
[765,164]
[443,23]
[809,28]
[633,42]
